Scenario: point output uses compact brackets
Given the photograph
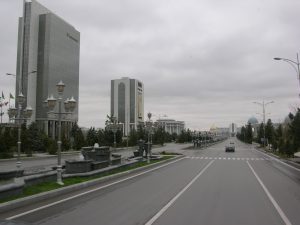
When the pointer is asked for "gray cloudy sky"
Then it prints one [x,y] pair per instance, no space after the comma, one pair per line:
[201,61]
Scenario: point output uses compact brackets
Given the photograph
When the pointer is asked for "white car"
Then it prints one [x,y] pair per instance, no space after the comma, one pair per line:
[230,147]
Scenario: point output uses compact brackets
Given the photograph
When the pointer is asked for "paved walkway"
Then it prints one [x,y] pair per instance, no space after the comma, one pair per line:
[43,162]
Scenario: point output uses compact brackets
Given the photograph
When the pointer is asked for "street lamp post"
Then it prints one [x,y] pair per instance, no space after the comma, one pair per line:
[70,105]
[16,114]
[294,64]
[264,104]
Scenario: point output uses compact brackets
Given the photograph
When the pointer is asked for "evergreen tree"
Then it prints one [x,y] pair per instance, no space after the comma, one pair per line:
[35,140]
[91,137]
[249,134]
[180,138]
[141,132]
[242,135]
[77,134]
[260,134]
[52,146]
[294,128]
[25,143]
[5,151]
[159,136]
[133,138]
[270,132]
[65,143]
[100,137]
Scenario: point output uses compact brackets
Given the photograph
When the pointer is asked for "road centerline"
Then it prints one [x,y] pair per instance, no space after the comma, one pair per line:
[172,201]
[273,201]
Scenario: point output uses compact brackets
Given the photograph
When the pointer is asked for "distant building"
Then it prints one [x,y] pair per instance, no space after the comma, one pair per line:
[255,125]
[127,102]
[233,129]
[252,120]
[171,126]
[219,132]
[49,45]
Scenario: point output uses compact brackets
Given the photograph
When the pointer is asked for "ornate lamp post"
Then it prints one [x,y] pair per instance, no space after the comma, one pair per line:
[294,64]
[70,105]
[149,129]
[113,126]
[20,116]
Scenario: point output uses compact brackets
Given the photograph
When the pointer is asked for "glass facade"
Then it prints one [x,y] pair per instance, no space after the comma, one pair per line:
[49,45]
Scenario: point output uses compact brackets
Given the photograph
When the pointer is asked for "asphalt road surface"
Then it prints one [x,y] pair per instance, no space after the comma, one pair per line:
[206,187]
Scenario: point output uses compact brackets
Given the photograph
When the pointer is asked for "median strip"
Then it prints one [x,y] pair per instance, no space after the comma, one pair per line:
[90,191]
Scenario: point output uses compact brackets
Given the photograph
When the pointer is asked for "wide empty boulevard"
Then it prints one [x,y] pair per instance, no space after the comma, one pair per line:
[204,187]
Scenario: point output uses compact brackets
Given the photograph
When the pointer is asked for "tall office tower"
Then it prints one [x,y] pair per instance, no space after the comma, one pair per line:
[233,129]
[127,102]
[49,45]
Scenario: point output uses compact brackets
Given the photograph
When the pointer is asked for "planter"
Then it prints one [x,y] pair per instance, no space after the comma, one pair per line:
[6,175]
[99,165]
[78,166]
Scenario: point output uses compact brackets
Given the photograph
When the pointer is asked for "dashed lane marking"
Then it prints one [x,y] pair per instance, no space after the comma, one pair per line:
[227,158]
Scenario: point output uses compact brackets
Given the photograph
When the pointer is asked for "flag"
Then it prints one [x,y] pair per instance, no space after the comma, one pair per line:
[2,95]
[11,96]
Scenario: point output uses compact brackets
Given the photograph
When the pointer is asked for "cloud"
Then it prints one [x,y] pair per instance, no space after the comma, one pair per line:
[203,62]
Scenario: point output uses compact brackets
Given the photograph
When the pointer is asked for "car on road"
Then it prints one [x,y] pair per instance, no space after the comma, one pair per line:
[230,147]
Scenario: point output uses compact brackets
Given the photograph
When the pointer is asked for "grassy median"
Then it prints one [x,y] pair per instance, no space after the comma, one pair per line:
[49,186]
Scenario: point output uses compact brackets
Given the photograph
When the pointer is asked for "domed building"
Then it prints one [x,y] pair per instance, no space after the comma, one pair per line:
[252,120]
[255,125]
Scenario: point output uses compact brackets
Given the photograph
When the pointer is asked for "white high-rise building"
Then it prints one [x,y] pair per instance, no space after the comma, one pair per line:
[127,102]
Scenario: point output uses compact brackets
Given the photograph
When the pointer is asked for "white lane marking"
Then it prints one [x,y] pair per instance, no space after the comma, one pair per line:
[229,158]
[170,203]
[277,160]
[90,191]
[277,207]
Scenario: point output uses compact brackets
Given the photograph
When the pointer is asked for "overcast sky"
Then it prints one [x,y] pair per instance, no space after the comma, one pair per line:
[201,61]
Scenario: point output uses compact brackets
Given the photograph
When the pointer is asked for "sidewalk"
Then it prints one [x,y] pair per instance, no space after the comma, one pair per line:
[41,162]
[295,162]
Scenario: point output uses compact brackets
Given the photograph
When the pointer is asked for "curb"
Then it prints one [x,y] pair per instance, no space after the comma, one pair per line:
[287,161]
[4,207]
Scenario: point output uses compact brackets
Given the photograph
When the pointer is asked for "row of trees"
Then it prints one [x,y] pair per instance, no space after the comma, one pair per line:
[34,140]
[285,138]
[246,134]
